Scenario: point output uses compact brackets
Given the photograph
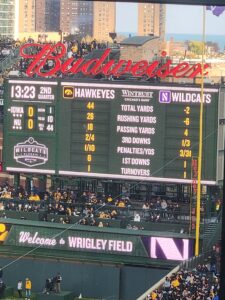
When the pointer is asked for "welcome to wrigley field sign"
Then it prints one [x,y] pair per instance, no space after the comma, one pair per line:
[97,241]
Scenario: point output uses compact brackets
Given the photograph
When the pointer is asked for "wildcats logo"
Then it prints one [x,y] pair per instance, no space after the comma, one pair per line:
[183,97]
[30,153]
[164,96]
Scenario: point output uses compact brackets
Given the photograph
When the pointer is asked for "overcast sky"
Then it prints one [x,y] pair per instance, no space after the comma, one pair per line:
[179,19]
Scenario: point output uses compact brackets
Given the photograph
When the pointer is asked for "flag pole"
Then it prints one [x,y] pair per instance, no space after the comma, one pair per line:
[198,202]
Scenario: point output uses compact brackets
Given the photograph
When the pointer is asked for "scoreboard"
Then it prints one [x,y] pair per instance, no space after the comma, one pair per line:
[109,129]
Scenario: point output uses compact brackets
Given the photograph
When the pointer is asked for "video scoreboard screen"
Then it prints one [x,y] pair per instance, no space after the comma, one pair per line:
[109,129]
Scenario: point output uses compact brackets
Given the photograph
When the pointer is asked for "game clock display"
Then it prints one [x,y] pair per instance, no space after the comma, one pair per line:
[33,108]
[110,129]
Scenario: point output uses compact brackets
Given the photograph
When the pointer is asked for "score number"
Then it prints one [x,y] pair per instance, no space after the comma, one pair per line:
[24,92]
[30,117]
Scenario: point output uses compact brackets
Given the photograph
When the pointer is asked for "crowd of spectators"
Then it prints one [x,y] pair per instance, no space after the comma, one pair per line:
[7,47]
[78,49]
[201,283]
[88,206]
[75,48]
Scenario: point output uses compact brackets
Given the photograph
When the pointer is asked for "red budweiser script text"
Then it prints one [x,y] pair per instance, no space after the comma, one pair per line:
[57,54]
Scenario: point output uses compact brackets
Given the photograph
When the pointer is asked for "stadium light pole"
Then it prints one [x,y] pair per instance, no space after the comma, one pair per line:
[198,200]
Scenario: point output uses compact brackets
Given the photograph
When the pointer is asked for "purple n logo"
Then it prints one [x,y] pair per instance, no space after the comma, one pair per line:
[168,248]
[164,96]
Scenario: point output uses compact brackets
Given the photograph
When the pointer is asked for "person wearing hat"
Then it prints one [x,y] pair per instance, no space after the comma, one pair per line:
[28,286]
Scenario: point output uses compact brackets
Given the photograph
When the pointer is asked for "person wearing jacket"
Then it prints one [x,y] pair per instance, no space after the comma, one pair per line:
[28,286]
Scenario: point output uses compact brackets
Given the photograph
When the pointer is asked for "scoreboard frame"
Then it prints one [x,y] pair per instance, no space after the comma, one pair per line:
[114,112]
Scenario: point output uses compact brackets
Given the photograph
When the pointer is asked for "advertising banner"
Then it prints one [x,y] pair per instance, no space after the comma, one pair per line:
[151,247]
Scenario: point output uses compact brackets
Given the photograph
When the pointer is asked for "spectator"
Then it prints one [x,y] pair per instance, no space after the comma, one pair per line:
[175,282]
[72,197]
[218,207]
[190,278]
[164,208]
[49,286]
[34,197]
[145,206]
[28,286]
[6,194]
[121,203]
[167,284]
[213,262]
[2,287]
[164,204]
[20,288]
[84,197]
[58,283]
[57,195]
[100,224]
[113,214]
[154,295]
[137,218]
[109,200]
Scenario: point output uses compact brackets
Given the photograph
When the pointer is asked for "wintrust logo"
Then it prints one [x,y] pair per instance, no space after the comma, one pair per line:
[30,153]
[136,94]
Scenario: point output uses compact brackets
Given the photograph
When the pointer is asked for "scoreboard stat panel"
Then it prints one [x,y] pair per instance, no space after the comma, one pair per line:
[109,129]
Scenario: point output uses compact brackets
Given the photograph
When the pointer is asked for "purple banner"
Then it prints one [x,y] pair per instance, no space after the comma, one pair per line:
[169,248]
[216,10]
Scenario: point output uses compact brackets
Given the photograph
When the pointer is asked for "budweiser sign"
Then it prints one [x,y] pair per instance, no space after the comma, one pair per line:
[103,65]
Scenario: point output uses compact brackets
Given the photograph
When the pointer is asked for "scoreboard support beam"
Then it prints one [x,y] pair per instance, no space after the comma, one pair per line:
[17,180]
[28,183]
[43,183]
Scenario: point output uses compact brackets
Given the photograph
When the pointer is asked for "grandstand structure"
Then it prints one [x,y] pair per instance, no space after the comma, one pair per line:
[132,245]
[92,192]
